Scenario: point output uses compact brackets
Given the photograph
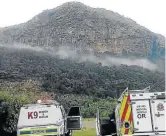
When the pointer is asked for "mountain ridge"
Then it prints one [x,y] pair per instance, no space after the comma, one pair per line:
[82,4]
[80,26]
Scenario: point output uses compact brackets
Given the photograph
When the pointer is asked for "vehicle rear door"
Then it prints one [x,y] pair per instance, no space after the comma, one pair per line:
[141,116]
[74,119]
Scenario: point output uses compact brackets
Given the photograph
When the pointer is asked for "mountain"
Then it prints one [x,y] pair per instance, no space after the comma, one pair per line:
[79,26]
[80,54]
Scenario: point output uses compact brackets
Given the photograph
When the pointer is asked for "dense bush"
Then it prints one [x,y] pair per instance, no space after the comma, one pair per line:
[14,95]
[75,83]
[66,76]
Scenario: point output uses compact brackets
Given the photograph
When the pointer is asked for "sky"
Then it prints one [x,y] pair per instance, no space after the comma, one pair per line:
[148,13]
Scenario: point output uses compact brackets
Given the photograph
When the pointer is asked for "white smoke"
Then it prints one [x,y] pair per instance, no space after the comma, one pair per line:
[65,52]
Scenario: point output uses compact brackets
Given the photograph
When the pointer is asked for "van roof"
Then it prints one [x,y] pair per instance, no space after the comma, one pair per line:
[53,102]
[142,94]
[148,95]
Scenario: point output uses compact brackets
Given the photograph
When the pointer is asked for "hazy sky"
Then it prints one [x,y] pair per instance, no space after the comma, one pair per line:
[149,13]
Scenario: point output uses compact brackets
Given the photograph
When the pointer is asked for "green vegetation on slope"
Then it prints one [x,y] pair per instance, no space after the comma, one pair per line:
[65,76]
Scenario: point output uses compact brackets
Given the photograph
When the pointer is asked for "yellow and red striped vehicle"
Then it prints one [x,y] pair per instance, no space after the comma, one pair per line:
[123,115]
[138,113]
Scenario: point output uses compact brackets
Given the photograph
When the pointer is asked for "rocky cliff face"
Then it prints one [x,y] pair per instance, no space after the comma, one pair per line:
[79,26]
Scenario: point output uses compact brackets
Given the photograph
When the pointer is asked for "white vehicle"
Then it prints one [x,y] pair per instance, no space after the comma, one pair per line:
[48,119]
[139,113]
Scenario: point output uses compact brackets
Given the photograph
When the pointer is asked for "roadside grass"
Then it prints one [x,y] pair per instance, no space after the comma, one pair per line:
[85,132]
[88,119]
[88,128]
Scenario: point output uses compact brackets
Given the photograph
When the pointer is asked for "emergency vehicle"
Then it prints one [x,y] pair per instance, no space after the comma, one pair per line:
[139,113]
[48,118]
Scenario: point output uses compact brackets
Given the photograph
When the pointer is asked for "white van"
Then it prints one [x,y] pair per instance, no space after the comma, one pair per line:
[138,113]
[48,119]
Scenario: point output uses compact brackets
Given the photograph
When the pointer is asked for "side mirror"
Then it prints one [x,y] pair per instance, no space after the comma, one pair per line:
[74,119]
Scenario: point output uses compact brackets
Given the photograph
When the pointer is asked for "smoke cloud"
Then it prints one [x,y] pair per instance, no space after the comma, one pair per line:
[66,52]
